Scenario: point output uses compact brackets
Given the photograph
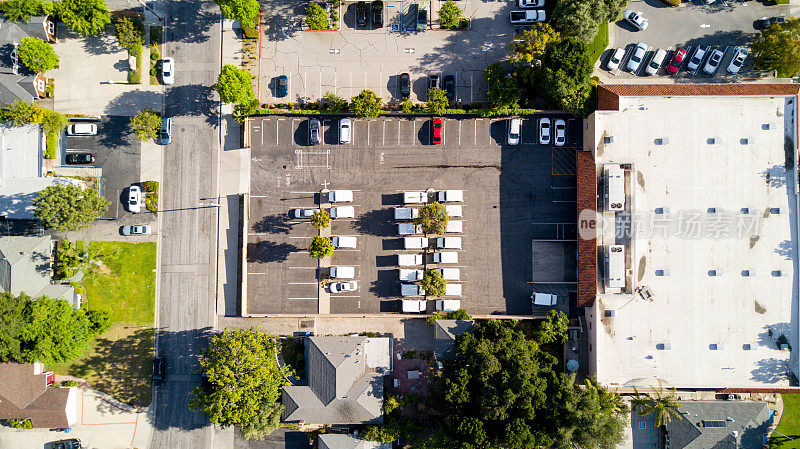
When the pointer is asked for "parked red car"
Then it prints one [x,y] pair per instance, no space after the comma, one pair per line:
[436,126]
[677,60]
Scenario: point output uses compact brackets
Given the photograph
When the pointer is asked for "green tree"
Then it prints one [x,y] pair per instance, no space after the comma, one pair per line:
[12,320]
[245,11]
[243,375]
[460,314]
[84,16]
[21,10]
[601,417]
[433,283]
[406,106]
[437,101]
[504,91]
[432,218]
[234,85]
[553,328]
[99,321]
[450,15]
[243,110]
[146,124]
[531,44]
[663,406]
[21,113]
[19,423]
[321,219]
[37,55]
[778,48]
[333,104]
[320,247]
[69,207]
[316,17]
[382,433]
[366,104]
[579,18]
[614,9]
[52,121]
[130,33]
[264,423]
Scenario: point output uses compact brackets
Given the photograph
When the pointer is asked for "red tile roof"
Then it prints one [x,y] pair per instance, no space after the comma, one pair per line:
[587,248]
[608,94]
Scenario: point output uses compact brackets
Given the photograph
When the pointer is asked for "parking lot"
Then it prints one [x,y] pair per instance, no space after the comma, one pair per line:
[512,194]
[722,25]
[356,58]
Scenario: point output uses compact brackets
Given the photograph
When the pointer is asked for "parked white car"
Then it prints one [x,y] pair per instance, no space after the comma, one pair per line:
[415,242]
[405,213]
[344,130]
[636,58]
[343,212]
[303,213]
[135,230]
[561,132]
[530,3]
[168,71]
[450,274]
[712,64]
[445,257]
[544,131]
[615,59]
[696,59]
[453,210]
[514,126]
[451,196]
[410,275]
[448,305]
[340,196]
[82,129]
[454,227]
[409,260]
[636,18]
[415,197]
[448,242]
[343,272]
[135,199]
[339,287]
[655,62]
[413,305]
[347,242]
[739,55]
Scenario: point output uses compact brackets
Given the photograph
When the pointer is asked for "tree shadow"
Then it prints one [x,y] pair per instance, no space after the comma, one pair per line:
[284,20]
[770,371]
[116,133]
[376,222]
[267,251]
[190,22]
[192,100]
[273,224]
[129,103]
[104,43]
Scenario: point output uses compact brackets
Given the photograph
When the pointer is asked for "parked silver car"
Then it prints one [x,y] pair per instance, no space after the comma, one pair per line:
[636,58]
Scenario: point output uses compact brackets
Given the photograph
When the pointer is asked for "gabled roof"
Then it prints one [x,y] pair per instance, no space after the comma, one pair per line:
[712,424]
[24,395]
[25,267]
[343,385]
[444,336]
[342,441]
[19,85]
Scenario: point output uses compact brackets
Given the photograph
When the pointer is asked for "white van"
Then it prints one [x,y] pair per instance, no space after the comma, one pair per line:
[344,241]
[415,242]
[413,305]
[343,212]
[340,196]
[450,274]
[411,290]
[410,275]
[408,229]
[445,257]
[343,272]
[405,213]
[415,197]
[448,242]
[409,260]
[448,305]
[451,196]
[454,227]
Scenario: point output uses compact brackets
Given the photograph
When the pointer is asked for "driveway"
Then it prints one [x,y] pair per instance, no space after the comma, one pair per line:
[90,67]
[103,423]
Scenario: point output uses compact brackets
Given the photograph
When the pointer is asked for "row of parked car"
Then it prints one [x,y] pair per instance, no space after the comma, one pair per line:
[363,15]
[710,67]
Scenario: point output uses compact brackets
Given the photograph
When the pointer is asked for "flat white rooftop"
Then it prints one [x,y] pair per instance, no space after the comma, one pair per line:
[707,325]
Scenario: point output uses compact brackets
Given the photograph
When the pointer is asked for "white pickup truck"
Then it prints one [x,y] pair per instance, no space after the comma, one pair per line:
[414,305]
[410,275]
[340,196]
[445,257]
[528,16]
[415,197]
[408,229]
[409,260]
[411,290]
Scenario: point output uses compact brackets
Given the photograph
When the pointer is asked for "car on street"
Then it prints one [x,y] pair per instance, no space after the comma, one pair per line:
[636,58]
[636,18]
[346,286]
[361,14]
[377,14]
[560,132]
[344,241]
[344,130]
[655,62]
[433,82]
[767,22]
[514,126]
[405,85]
[696,59]
[79,158]
[314,132]
[739,55]
[713,62]
[168,71]
[72,443]
[615,59]
[165,133]
[436,131]
[450,86]
[282,86]
[82,129]
[677,60]
[303,213]
[422,19]
[159,371]
[136,230]
[544,131]
[343,212]
[134,199]
[530,3]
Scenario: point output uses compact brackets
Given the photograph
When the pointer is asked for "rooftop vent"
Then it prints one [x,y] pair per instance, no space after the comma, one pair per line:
[662,210]
[768,126]
[714,423]
[716,347]
[663,346]
[713,140]
[780,273]
[610,313]
[663,272]
[747,347]
[775,210]
[715,273]
[748,273]
[712,210]
[662,141]
[609,139]
[746,211]
[744,141]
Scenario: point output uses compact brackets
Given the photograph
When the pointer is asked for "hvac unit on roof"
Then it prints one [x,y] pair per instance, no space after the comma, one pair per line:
[748,273]
[768,126]
[615,266]
[662,141]
[780,273]
[663,272]
[712,210]
[716,347]
[662,210]
[744,141]
[747,347]
[775,210]
[746,211]
[614,188]
[609,139]
[713,140]
[610,313]
[663,346]
[715,273]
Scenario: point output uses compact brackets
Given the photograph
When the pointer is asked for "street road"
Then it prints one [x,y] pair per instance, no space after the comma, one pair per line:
[186,304]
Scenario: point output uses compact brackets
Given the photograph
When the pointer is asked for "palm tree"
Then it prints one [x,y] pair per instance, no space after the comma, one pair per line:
[663,406]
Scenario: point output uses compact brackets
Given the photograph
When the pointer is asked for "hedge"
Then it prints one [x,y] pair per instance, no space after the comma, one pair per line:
[151,196]
[52,146]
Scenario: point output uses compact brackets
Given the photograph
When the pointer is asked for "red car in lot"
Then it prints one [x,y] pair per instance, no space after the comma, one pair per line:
[436,126]
[677,60]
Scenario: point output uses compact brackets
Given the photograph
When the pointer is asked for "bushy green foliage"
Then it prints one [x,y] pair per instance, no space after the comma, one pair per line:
[264,423]
[245,11]
[84,16]
[150,186]
[53,122]
[320,247]
[51,146]
[406,106]
[130,33]
[437,101]
[382,433]
[244,380]
[37,55]
[432,218]
[21,10]
[433,283]
[146,124]
[20,423]
[581,19]
[366,104]
[460,314]
[316,17]
[69,207]
[99,321]
[321,219]
[21,113]
[450,15]
[504,90]
[532,43]
[235,85]
[778,48]
[553,329]
[333,104]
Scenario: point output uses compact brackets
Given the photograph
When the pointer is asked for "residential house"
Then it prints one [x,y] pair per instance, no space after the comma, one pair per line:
[444,336]
[719,424]
[16,81]
[343,441]
[345,381]
[25,394]
[26,267]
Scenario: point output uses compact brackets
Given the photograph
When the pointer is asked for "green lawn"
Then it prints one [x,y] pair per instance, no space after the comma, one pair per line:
[124,285]
[789,424]
[599,44]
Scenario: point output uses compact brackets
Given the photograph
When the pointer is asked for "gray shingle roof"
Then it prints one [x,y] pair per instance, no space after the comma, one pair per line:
[341,388]
[748,419]
[17,86]
[342,441]
[444,336]
[25,267]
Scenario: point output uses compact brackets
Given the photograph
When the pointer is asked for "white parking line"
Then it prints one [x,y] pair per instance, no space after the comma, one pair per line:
[350,83]
[303,283]
[289,90]
[476,132]
[254,273]
[277,133]
[367,130]
[380,85]
[470,86]
[348,296]
[413,131]
[305,298]
[296,237]
[262,132]
[384,133]
[399,122]
[302,268]
[459,133]
[304,83]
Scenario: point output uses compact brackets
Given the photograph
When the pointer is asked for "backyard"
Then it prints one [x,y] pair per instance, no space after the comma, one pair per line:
[787,434]
[120,279]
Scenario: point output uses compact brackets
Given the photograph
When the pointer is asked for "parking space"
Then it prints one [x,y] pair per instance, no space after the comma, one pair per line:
[721,25]
[511,195]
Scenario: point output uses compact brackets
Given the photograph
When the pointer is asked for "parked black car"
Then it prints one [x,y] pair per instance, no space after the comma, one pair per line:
[361,14]
[450,86]
[80,158]
[422,19]
[433,82]
[282,86]
[377,14]
[159,371]
[72,443]
[767,22]
[405,85]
